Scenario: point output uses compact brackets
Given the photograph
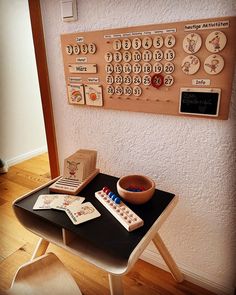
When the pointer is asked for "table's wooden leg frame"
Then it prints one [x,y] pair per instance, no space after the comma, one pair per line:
[115,281]
[161,247]
[40,249]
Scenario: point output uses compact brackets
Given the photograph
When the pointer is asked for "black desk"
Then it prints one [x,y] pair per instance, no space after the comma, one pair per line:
[114,245]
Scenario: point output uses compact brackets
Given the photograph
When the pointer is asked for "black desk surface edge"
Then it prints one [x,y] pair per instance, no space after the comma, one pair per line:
[105,232]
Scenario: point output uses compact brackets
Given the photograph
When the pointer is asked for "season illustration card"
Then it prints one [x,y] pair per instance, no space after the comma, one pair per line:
[81,213]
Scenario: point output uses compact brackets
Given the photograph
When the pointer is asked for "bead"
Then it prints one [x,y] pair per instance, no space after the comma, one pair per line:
[110,194]
[104,188]
[117,200]
[107,191]
[113,197]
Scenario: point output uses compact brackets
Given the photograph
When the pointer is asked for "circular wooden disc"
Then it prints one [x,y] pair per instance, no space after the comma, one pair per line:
[214,64]
[215,41]
[190,65]
[192,43]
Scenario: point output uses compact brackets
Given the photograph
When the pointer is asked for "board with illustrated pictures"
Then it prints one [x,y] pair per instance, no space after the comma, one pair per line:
[182,68]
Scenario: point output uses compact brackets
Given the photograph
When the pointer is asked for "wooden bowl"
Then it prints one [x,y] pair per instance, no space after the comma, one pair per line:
[136,181]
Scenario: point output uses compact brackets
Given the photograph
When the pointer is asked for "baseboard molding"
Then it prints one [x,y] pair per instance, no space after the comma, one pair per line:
[26,156]
[156,260]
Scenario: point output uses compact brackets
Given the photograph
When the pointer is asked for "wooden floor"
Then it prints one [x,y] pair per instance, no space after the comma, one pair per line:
[17,244]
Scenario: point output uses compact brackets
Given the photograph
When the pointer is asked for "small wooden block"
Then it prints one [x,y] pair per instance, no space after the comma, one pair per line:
[93,95]
[83,68]
[76,94]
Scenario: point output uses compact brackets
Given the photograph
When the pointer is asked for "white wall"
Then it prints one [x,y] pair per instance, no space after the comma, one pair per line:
[194,158]
[21,122]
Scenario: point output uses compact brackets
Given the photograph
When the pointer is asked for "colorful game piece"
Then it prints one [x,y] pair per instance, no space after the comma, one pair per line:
[119,210]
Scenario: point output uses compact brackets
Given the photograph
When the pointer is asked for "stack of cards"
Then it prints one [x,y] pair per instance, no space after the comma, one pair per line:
[80,165]
[72,205]
[79,170]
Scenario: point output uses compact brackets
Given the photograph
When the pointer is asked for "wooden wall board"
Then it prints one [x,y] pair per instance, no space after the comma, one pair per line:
[146,66]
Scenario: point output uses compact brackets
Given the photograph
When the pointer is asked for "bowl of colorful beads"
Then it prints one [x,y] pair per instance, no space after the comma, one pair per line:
[136,189]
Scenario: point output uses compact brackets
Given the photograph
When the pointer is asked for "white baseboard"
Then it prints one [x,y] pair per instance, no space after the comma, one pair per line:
[26,156]
[156,260]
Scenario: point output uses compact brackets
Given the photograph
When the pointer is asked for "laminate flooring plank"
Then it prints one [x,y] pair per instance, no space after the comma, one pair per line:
[9,190]
[38,166]
[10,265]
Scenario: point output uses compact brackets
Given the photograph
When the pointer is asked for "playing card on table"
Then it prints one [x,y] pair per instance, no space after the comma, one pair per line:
[44,201]
[81,213]
[63,201]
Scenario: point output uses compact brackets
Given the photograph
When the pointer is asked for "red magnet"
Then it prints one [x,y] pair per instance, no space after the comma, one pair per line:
[157,80]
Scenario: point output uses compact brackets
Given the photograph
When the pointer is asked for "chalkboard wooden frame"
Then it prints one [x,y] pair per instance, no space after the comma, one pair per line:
[200,101]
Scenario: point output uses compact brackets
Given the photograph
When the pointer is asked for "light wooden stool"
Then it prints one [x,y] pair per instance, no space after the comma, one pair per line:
[45,275]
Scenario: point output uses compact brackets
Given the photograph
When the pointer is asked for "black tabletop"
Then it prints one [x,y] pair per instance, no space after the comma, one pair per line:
[105,232]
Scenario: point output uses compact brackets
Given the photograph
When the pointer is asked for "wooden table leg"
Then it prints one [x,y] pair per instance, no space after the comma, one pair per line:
[178,276]
[40,248]
[115,283]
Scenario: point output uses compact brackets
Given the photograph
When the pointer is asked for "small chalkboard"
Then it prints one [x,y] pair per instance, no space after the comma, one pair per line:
[200,101]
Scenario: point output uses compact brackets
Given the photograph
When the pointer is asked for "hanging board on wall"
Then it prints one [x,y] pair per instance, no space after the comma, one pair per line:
[182,68]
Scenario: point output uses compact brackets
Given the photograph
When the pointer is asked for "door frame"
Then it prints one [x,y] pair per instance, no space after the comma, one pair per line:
[44,85]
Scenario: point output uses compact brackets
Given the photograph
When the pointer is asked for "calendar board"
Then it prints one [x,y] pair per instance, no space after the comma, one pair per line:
[147,68]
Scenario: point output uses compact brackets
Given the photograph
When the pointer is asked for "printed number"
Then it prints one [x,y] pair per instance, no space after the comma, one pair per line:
[118,90]
[137,68]
[158,42]
[108,57]
[158,55]
[169,54]
[109,68]
[146,80]
[169,68]
[157,68]
[147,55]
[137,80]
[147,68]
[168,80]
[147,42]
[127,80]
[76,49]
[110,89]
[109,79]
[118,79]
[126,44]
[136,56]
[137,91]
[136,43]
[117,56]
[92,48]
[127,56]
[69,49]
[118,68]
[169,41]
[127,90]
[127,68]
[84,48]
[117,44]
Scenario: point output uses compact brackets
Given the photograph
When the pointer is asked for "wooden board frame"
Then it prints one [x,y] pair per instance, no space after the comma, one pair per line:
[78,50]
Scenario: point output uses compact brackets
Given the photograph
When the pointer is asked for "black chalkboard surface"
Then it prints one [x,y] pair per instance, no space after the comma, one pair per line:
[200,102]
